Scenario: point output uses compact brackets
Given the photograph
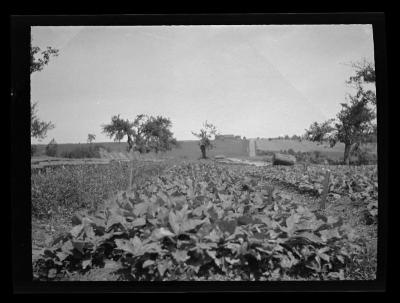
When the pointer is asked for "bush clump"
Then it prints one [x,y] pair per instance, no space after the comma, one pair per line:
[84,151]
[51,148]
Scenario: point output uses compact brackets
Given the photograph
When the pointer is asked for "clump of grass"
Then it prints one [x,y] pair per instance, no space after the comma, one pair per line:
[65,189]
[84,151]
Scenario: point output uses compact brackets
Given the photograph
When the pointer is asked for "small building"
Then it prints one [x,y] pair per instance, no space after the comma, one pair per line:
[229,137]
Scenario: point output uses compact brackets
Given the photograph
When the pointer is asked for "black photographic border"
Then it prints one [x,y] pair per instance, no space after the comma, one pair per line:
[20,151]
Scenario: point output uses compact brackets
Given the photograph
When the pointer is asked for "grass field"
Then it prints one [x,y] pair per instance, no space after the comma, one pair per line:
[229,148]
[186,149]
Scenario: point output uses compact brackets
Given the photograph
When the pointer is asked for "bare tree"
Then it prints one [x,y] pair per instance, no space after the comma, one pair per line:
[205,134]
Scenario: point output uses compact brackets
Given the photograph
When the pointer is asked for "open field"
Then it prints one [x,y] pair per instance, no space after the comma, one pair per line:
[204,220]
[186,150]
[230,148]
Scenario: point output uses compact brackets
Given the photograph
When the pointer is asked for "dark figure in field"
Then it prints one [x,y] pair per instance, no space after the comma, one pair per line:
[203,150]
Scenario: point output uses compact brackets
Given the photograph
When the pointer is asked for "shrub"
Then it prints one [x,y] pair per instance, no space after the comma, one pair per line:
[363,157]
[83,151]
[51,148]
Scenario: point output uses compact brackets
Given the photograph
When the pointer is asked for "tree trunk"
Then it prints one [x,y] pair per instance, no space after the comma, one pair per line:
[203,151]
[346,157]
[130,144]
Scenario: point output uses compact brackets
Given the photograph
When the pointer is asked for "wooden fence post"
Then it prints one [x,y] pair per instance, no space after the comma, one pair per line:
[130,174]
[325,189]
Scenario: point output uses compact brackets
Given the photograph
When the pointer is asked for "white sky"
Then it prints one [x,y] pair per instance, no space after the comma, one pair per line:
[248,80]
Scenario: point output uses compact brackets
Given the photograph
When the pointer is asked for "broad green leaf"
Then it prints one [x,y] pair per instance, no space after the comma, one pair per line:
[138,222]
[291,222]
[338,275]
[179,200]
[140,208]
[310,236]
[326,235]
[136,242]
[213,214]
[76,230]
[285,262]
[164,198]
[266,220]
[79,245]
[180,255]
[86,263]
[173,222]
[125,245]
[234,247]
[205,230]
[332,220]
[232,261]
[62,255]
[163,267]
[340,258]
[111,264]
[190,224]
[324,256]
[115,219]
[52,273]
[206,246]
[89,232]
[213,236]
[227,226]
[148,263]
[67,247]
[160,233]
[213,255]
[244,220]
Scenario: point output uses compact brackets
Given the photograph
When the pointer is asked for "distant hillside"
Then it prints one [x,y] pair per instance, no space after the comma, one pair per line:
[336,152]
[189,149]
[303,146]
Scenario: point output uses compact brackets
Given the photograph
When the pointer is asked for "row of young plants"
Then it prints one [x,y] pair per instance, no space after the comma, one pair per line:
[68,188]
[204,221]
[359,183]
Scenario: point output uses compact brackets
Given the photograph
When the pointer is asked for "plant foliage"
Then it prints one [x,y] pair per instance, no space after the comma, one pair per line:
[204,221]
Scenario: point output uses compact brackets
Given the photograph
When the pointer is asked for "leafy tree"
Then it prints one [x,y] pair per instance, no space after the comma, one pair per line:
[158,135]
[355,121]
[39,128]
[296,137]
[39,58]
[51,148]
[91,138]
[144,134]
[364,73]
[205,135]
[118,129]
